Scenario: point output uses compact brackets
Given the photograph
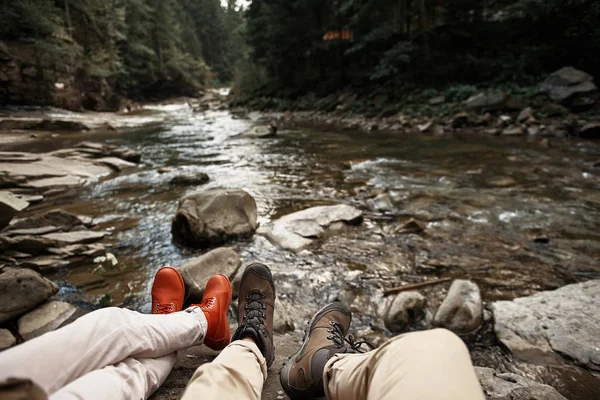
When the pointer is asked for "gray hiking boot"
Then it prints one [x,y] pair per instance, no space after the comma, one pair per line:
[256,305]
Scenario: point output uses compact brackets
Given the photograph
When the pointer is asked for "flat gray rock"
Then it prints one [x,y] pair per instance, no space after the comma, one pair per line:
[548,325]
[27,244]
[498,386]
[7,339]
[115,163]
[10,205]
[198,271]
[45,318]
[462,309]
[33,231]
[298,230]
[57,218]
[77,237]
[22,290]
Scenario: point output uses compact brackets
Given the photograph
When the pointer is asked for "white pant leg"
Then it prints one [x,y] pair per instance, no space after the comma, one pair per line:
[98,339]
[131,379]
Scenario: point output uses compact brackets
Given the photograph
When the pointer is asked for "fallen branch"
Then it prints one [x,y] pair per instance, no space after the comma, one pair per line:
[415,286]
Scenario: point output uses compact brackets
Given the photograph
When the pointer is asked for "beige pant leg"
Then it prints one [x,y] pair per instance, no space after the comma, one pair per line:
[99,339]
[237,373]
[142,377]
[427,365]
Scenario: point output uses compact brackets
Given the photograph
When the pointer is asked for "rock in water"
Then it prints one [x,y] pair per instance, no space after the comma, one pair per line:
[552,324]
[498,386]
[408,312]
[261,132]
[298,230]
[462,309]
[214,216]
[198,271]
[6,339]
[196,179]
[45,318]
[10,205]
[567,82]
[22,290]
[382,202]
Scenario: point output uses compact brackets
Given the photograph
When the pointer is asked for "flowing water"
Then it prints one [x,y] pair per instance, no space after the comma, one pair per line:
[538,230]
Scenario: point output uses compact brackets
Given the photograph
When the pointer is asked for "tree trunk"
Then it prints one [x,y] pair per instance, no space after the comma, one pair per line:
[424,33]
[70,29]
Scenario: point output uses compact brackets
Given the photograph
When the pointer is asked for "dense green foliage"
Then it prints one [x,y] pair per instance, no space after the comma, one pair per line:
[140,49]
[397,44]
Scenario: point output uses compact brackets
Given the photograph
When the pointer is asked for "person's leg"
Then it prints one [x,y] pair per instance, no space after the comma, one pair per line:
[98,339]
[424,365]
[237,373]
[142,376]
[241,369]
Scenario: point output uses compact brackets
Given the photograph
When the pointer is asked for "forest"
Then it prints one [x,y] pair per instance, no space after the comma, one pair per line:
[107,51]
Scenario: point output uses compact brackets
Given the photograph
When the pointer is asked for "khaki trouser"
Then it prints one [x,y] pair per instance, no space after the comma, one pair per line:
[416,366]
[428,365]
[121,354]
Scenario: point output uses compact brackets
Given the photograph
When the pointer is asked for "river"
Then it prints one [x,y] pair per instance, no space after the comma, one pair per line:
[510,214]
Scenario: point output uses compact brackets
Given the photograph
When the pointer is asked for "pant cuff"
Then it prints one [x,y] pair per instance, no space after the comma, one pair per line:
[199,315]
[254,349]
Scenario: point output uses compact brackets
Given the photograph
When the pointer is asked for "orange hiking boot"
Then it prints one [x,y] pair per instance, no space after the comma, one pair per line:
[215,303]
[168,291]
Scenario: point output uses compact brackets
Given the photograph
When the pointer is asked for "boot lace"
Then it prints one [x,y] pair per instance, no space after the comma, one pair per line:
[255,309]
[338,339]
[166,308]
[207,303]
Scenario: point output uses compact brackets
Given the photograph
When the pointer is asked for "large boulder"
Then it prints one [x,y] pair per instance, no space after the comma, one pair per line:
[551,325]
[22,290]
[298,230]
[214,216]
[499,386]
[561,85]
[408,312]
[10,205]
[462,309]
[45,318]
[198,271]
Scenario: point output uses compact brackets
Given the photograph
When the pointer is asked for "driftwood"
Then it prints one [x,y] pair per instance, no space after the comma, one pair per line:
[415,286]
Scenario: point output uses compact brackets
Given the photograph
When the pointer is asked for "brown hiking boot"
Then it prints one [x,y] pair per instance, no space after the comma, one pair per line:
[256,305]
[302,375]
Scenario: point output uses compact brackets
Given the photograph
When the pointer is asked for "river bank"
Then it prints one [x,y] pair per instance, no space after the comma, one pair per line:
[511,216]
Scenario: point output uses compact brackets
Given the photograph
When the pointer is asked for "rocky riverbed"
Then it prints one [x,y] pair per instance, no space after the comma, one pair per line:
[411,230]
